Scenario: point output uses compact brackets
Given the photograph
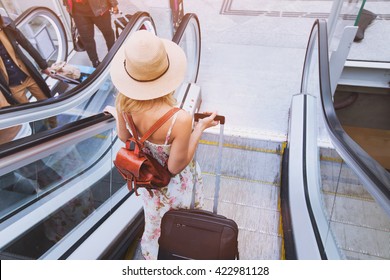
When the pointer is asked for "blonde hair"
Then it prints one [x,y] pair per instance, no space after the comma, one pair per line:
[128,105]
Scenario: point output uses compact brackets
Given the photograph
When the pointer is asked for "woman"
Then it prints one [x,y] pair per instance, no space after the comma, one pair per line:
[146,71]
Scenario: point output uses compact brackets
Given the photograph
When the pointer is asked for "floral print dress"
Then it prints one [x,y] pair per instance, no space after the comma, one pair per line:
[177,194]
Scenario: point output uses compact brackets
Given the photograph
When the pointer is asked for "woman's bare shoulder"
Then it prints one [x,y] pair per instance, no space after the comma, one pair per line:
[183,118]
[183,124]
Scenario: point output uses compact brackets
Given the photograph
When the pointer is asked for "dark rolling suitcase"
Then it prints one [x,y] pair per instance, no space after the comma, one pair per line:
[199,234]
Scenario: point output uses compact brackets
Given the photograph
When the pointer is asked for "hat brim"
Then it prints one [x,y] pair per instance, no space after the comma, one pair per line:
[164,85]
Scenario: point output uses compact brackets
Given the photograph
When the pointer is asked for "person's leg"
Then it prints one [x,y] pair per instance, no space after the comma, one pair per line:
[34,89]
[103,22]
[3,101]
[19,93]
[86,29]
[149,240]
[37,92]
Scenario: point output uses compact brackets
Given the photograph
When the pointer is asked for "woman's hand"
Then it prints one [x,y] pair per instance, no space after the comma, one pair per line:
[207,121]
[47,72]
[115,10]
[186,139]
[111,110]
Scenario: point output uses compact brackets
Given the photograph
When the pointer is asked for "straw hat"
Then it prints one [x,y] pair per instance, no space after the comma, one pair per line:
[147,67]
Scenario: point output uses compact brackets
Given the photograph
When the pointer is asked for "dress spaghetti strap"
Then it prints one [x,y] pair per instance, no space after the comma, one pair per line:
[170,129]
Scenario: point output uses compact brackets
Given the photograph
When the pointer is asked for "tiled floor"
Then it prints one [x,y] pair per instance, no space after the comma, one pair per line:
[250,196]
[361,228]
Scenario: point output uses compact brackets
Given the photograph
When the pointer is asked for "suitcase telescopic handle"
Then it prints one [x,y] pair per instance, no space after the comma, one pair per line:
[219,118]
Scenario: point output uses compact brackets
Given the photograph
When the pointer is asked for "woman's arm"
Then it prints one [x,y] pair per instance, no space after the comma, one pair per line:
[114,6]
[123,132]
[186,140]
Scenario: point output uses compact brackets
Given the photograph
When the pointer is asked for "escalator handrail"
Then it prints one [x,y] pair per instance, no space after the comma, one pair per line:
[375,178]
[43,137]
[18,221]
[43,104]
[18,153]
[181,31]
[23,154]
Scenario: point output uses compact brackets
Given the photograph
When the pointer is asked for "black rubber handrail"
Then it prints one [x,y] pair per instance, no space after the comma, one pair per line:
[181,31]
[48,135]
[183,26]
[375,178]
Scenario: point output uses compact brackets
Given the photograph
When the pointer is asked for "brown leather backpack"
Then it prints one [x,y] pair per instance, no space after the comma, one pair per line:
[138,168]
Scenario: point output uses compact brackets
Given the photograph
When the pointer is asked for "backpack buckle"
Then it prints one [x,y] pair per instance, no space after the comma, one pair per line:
[132,146]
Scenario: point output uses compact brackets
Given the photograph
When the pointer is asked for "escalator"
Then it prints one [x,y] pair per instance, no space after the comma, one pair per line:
[60,192]
[43,208]
[348,201]
[359,72]
[334,201]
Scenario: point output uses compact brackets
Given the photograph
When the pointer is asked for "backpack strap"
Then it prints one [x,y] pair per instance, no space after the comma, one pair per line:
[154,127]
[159,123]
[130,123]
